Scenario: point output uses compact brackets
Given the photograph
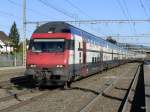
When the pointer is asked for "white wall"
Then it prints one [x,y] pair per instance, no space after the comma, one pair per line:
[5,49]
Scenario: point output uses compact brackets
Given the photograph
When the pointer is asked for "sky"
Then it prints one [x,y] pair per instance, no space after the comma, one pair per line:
[66,10]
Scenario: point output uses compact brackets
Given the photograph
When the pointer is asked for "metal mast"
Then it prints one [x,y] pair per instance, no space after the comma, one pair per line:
[24,32]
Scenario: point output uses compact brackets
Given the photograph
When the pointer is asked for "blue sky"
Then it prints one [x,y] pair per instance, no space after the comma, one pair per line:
[11,10]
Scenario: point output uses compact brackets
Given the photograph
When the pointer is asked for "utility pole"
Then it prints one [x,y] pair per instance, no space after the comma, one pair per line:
[24,33]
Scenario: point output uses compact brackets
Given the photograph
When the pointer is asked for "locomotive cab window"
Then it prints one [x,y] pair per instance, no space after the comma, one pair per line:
[47,45]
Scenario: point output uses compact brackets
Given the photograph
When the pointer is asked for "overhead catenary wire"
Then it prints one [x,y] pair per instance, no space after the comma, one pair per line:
[9,14]
[120,21]
[77,8]
[125,14]
[7,26]
[3,26]
[29,9]
[129,15]
[46,3]
[96,23]
[123,11]
[124,21]
[143,7]
[132,36]
[86,15]
[147,2]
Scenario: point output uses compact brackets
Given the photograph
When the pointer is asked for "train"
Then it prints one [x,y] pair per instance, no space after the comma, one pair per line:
[60,53]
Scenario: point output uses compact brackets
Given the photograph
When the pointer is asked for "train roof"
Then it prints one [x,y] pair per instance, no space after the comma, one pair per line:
[53,26]
[63,27]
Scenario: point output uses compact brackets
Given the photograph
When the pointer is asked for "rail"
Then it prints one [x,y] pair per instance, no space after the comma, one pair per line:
[134,81]
[86,107]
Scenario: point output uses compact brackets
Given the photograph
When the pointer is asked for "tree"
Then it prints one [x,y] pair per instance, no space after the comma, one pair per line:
[20,47]
[111,40]
[14,36]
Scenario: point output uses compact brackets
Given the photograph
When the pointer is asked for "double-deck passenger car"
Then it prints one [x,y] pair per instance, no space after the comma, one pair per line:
[59,52]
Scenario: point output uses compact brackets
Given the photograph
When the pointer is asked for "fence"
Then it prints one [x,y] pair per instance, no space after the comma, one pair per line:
[8,60]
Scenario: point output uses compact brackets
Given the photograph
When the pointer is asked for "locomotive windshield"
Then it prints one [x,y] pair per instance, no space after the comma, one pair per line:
[47,45]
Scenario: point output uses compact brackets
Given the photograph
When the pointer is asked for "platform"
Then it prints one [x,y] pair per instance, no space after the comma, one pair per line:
[11,68]
[147,85]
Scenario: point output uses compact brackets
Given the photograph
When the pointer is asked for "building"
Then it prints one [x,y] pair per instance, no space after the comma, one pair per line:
[136,48]
[5,43]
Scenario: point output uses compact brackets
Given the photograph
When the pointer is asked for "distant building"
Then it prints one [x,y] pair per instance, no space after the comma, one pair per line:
[5,43]
[136,48]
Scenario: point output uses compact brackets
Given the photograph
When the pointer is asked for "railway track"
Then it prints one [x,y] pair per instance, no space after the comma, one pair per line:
[13,81]
[24,102]
[13,93]
[20,97]
[125,102]
[5,84]
[8,74]
[55,92]
[21,101]
[81,93]
[16,95]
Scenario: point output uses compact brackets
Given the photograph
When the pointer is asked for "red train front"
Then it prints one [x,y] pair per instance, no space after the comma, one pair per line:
[47,56]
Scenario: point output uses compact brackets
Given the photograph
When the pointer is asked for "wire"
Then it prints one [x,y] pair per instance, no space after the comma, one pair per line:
[77,8]
[19,29]
[15,3]
[143,7]
[129,15]
[126,15]
[46,3]
[81,11]
[85,14]
[31,10]
[9,14]
[4,26]
[147,2]
[123,11]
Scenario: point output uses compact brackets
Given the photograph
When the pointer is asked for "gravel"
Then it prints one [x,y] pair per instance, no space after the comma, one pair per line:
[7,74]
[111,101]
[83,92]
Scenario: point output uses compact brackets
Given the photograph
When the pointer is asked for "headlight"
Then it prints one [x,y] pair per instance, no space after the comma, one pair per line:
[60,66]
[32,66]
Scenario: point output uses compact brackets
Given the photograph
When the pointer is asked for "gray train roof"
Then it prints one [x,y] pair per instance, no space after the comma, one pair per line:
[53,26]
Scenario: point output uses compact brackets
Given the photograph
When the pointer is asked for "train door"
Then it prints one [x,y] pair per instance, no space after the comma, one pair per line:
[84,67]
[101,59]
[77,57]
[112,55]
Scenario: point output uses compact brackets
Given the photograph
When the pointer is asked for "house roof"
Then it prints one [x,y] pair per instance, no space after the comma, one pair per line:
[3,37]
